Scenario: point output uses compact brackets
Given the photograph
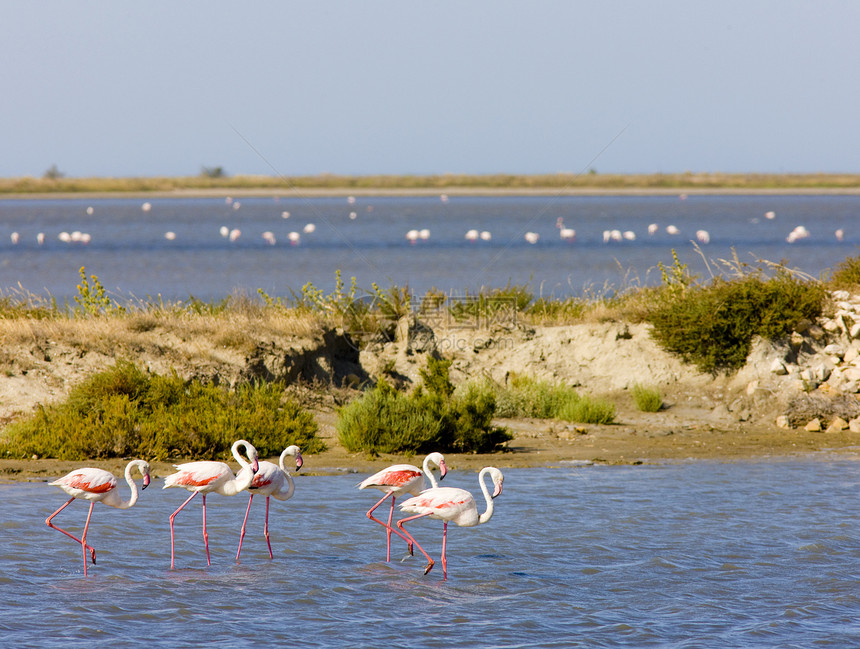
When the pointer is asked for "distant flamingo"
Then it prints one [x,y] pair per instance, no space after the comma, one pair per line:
[400,479]
[205,477]
[451,504]
[97,485]
[272,480]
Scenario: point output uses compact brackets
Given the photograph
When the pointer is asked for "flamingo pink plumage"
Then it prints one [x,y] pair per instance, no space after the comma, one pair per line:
[271,481]
[454,505]
[206,477]
[401,479]
[97,485]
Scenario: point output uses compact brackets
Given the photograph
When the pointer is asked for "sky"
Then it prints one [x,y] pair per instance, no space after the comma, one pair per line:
[279,87]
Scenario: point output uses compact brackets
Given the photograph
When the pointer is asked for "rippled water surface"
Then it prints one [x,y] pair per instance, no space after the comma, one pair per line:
[366,239]
[760,554]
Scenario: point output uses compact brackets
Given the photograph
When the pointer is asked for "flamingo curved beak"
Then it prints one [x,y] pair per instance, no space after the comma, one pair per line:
[443,470]
[145,481]
[299,462]
[255,466]
[498,489]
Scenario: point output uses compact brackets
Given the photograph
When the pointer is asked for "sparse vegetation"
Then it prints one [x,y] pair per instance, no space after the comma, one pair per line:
[56,181]
[647,399]
[846,275]
[525,396]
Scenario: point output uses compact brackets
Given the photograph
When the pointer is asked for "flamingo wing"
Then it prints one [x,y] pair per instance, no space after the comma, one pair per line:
[88,483]
[402,478]
[198,475]
[444,503]
[266,479]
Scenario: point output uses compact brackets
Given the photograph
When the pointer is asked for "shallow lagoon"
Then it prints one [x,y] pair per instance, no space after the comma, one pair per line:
[131,256]
[682,555]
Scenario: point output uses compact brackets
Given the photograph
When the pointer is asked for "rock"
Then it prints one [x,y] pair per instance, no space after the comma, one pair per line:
[778,368]
[782,422]
[854,331]
[835,350]
[813,426]
[795,341]
[841,296]
[854,425]
[837,425]
[816,332]
[752,386]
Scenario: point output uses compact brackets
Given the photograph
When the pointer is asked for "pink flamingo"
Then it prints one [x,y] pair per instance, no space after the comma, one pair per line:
[272,480]
[450,504]
[401,479]
[205,477]
[97,485]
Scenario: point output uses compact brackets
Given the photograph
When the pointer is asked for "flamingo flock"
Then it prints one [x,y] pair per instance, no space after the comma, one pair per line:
[262,478]
[417,235]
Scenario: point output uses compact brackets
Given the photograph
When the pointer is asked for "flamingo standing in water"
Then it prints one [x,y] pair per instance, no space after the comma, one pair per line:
[451,504]
[401,479]
[97,485]
[271,481]
[205,477]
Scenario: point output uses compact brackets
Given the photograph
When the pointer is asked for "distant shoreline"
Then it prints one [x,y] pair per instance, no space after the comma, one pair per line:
[691,184]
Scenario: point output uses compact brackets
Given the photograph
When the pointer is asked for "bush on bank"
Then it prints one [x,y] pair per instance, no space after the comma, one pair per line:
[431,418]
[124,412]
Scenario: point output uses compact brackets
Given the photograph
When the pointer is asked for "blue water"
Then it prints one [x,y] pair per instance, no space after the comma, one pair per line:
[132,259]
[704,554]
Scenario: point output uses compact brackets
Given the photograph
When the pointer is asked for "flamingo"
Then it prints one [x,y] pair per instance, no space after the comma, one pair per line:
[272,480]
[401,479]
[451,504]
[97,485]
[205,477]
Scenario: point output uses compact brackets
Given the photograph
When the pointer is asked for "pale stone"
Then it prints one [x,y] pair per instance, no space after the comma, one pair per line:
[855,330]
[854,425]
[837,425]
[830,326]
[816,332]
[841,295]
[795,340]
[752,386]
[813,426]
[782,422]
[850,354]
[778,367]
[835,350]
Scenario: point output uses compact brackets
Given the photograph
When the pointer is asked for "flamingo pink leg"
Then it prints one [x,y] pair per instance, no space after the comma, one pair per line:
[266,529]
[430,561]
[244,522]
[84,537]
[388,527]
[444,556]
[173,515]
[72,536]
[205,534]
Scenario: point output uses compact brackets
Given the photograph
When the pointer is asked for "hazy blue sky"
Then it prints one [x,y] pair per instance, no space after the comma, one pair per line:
[164,87]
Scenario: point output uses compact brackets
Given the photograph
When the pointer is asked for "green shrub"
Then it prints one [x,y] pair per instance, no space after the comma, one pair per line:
[647,399]
[123,412]
[432,418]
[847,274]
[525,396]
[713,326]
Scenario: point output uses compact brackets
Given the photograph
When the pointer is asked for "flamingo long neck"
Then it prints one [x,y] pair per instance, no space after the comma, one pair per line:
[488,514]
[135,493]
[429,472]
[290,486]
[243,479]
